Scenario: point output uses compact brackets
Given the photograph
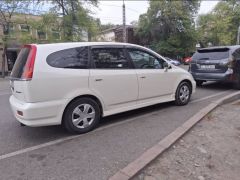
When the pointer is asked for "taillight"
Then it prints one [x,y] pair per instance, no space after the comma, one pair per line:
[29,66]
[231,63]
[189,59]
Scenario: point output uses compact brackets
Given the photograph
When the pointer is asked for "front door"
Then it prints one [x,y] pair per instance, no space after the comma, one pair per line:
[154,81]
[112,79]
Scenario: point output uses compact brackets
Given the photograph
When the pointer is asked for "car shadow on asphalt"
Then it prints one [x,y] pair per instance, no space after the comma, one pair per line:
[216,86]
[134,113]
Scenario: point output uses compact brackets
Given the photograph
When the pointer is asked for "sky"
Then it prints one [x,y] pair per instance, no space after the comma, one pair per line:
[111,11]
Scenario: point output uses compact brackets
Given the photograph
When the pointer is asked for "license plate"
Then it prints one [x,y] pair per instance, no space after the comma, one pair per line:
[207,66]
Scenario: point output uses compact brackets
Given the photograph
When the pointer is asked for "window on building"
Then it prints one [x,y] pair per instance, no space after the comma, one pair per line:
[11,27]
[110,58]
[41,35]
[25,28]
[56,34]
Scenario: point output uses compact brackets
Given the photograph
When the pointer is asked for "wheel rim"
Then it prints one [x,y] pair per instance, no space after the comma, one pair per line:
[184,93]
[83,116]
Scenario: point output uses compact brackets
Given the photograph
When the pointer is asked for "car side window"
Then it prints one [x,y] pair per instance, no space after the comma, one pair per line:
[74,58]
[109,58]
[144,60]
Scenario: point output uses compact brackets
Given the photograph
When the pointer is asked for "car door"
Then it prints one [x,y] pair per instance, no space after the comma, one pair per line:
[155,82]
[112,77]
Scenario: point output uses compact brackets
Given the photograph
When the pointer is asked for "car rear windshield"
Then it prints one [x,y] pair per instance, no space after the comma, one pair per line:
[20,63]
[211,54]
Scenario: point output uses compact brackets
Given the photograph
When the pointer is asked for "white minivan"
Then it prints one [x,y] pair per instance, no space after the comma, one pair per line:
[75,84]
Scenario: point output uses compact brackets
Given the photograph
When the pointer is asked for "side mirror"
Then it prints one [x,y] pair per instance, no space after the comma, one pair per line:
[166,66]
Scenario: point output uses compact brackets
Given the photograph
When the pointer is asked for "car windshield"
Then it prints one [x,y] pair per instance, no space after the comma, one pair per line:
[211,54]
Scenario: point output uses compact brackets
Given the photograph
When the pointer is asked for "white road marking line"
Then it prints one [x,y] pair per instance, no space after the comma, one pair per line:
[211,96]
[54,142]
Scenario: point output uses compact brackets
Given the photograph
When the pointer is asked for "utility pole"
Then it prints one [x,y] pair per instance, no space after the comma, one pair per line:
[238,35]
[124,24]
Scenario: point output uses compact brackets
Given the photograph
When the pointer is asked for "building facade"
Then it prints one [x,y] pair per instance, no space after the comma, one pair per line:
[25,28]
[116,34]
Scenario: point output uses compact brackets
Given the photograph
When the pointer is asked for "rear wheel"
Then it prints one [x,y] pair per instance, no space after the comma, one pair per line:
[199,83]
[183,94]
[81,116]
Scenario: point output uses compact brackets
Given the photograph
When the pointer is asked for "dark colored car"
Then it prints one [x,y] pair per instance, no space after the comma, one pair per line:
[216,64]
[173,61]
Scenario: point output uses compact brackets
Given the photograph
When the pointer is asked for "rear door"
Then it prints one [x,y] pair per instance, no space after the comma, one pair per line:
[212,60]
[112,78]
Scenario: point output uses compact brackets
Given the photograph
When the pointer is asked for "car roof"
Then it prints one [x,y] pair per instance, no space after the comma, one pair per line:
[220,47]
[76,44]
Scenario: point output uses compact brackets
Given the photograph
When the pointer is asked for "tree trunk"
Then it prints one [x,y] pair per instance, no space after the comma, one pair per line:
[4,60]
[63,22]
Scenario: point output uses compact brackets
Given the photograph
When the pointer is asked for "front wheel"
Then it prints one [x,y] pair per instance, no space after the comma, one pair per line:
[183,94]
[81,116]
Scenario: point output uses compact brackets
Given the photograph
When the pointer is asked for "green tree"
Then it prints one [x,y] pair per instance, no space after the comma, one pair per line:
[77,18]
[220,26]
[7,9]
[168,27]
[45,24]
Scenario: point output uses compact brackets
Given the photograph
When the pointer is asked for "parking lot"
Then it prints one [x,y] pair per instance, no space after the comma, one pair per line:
[52,153]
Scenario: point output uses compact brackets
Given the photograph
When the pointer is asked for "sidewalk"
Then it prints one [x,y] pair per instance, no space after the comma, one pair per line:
[210,151]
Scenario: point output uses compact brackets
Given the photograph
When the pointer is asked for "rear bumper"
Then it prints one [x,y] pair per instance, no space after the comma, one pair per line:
[37,114]
[213,76]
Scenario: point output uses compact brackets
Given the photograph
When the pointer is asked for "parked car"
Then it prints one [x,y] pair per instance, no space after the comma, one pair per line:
[75,84]
[216,64]
[173,61]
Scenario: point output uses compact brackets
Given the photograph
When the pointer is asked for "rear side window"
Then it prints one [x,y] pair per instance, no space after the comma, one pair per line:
[74,58]
[211,54]
[20,63]
[109,58]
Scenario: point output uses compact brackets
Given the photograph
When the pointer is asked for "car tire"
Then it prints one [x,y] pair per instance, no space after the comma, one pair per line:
[81,116]
[199,83]
[183,94]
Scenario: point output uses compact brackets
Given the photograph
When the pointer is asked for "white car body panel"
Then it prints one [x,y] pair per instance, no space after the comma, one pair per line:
[117,88]
[44,98]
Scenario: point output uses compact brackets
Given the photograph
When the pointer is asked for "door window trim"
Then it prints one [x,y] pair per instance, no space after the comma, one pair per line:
[142,50]
[92,63]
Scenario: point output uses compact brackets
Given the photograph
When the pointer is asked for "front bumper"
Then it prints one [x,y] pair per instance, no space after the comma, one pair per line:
[37,114]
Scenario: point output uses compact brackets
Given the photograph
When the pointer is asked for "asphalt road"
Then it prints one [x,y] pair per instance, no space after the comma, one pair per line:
[51,153]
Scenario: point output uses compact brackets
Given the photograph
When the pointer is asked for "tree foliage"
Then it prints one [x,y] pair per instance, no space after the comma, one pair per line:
[77,18]
[7,9]
[220,26]
[168,26]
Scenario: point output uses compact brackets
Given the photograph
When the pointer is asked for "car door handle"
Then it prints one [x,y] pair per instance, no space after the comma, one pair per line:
[98,79]
[143,77]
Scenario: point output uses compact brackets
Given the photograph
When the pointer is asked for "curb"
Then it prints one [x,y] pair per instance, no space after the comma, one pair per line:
[148,156]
